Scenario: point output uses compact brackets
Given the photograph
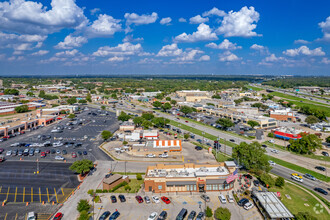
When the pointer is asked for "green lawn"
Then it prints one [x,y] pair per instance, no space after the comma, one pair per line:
[254,88]
[299,169]
[134,184]
[298,200]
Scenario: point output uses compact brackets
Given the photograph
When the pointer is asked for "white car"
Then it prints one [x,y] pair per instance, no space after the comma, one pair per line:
[248,206]
[31,216]
[59,158]
[274,151]
[8,153]
[297,178]
[271,141]
[163,156]
[155,199]
[153,216]
[150,155]
[271,162]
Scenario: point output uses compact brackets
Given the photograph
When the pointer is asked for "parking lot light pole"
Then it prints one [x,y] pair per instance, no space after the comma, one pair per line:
[37,166]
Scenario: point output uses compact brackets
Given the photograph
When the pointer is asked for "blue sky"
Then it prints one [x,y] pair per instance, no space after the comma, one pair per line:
[164,37]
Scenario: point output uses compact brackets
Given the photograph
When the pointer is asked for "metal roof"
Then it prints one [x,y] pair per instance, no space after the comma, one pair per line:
[180,183]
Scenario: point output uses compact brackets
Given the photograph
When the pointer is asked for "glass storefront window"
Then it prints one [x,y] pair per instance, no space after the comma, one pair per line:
[220,186]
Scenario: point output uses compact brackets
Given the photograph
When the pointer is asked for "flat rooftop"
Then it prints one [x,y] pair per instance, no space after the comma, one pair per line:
[189,172]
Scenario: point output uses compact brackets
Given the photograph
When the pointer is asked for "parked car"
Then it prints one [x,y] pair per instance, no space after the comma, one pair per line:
[85,152]
[192,215]
[153,216]
[8,153]
[324,153]
[205,197]
[222,199]
[114,215]
[308,176]
[139,199]
[162,215]
[200,216]
[232,140]
[31,216]
[230,198]
[1,150]
[320,168]
[150,155]
[264,145]
[147,199]
[320,190]
[59,158]
[104,215]
[242,202]
[58,216]
[74,155]
[122,198]
[155,199]
[249,176]
[248,206]
[256,182]
[182,214]
[165,199]
[113,199]
[198,148]
[43,154]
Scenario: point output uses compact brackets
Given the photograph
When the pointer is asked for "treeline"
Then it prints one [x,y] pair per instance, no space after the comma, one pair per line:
[299,81]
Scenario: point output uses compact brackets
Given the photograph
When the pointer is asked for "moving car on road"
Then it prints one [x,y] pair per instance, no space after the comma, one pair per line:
[296,178]
[320,190]
[308,176]
[320,168]
[271,162]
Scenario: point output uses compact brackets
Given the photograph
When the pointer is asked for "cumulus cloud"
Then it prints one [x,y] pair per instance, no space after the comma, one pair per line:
[104,26]
[116,59]
[136,19]
[325,60]
[182,20]
[304,50]
[94,11]
[204,58]
[259,48]
[27,17]
[119,50]
[40,53]
[166,21]
[169,50]
[214,11]
[228,57]
[21,41]
[148,60]
[71,42]
[224,45]
[325,26]
[203,33]
[67,53]
[273,58]
[240,23]
[130,38]
[198,20]
[300,41]
[187,56]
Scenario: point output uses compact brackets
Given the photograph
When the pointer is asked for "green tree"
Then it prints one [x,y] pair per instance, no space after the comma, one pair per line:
[252,156]
[186,110]
[253,123]
[22,109]
[208,212]
[304,216]
[106,134]
[225,123]
[82,101]
[146,124]
[138,121]
[157,104]
[114,96]
[29,93]
[311,119]
[168,99]
[307,144]
[11,92]
[83,205]
[327,139]
[280,182]
[159,96]
[42,94]
[72,116]
[139,176]
[173,102]
[103,107]
[222,214]
[267,179]
[166,106]
[186,136]
[160,122]
[89,97]
[72,100]
[123,117]
[82,166]
[147,116]
[271,135]
[83,215]
[322,91]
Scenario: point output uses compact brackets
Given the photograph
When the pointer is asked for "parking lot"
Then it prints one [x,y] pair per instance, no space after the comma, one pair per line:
[84,130]
[131,209]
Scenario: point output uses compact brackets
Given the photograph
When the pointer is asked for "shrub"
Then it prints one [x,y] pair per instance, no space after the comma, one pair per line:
[208,212]
[97,199]
[139,176]
[125,142]
[222,214]
[267,179]
[83,205]
[105,191]
[118,186]
[279,181]
[271,135]
[99,191]
[127,188]
[305,216]
[83,215]
[90,192]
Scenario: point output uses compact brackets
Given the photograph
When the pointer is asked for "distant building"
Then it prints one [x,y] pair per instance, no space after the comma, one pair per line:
[127,126]
[287,133]
[1,83]
[282,115]
[193,95]
[139,134]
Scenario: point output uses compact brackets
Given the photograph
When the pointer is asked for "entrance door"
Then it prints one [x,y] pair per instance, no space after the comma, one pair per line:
[150,188]
[201,187]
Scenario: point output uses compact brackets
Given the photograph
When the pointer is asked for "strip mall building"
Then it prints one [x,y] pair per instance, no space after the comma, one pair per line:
[189,177]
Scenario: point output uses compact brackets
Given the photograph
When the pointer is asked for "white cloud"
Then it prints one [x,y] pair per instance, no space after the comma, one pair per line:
[304,50]
[67,53]
[166,21]
[224,45]
[71,42]
[29,17]
[325,26]
[214,11]
[95,11]
[198,20]
[136,19]
[130,38]
[104,26]
[257,47]
[203,33]
[40,53]
[239,24]
[2,56]
[148,60]
[300,41]
[21,42]
[169,50]
[204,58]
[325,60]
[116,59]
[273,58]
[120,50]
[187,56]
[228,57]
[182,20]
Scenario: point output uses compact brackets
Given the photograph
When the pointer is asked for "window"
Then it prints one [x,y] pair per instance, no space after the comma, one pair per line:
[226,186]
[220,186]
[215,187]
[208,187]
[160,187]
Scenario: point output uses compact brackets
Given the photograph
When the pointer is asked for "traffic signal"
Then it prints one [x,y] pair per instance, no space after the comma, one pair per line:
[215,144]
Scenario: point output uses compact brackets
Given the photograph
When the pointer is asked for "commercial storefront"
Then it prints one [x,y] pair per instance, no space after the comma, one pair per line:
[189,177]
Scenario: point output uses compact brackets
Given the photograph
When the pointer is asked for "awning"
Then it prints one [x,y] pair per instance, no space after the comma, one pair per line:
[180,183]
[215,181]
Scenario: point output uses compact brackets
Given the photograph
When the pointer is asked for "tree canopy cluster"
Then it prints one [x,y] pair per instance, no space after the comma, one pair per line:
[306,145]
[320,114]
[43,95]
[22,109]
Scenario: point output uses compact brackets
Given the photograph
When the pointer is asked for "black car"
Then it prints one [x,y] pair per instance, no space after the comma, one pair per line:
[198,148]
[320,190]
[320,168]
[242,202]
[85,152]
[199,140]
[248,176]
[53,151]
[324,153]
[122,198]
[232,140]
[79,153]
[113,199]
[256,182]
[104,215]
[192,215]
[162,215]
[64,152]
[200,216]
[264,145]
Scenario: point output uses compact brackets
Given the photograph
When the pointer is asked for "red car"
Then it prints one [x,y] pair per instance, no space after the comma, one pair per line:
[43,154]
[58,216]
[7,137]
[47,151]
[166,200]
[139,199]
[22,132]
[74,155]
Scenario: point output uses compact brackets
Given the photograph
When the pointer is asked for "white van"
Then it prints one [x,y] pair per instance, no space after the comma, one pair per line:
[230,198]
[222,199]
[31,216]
